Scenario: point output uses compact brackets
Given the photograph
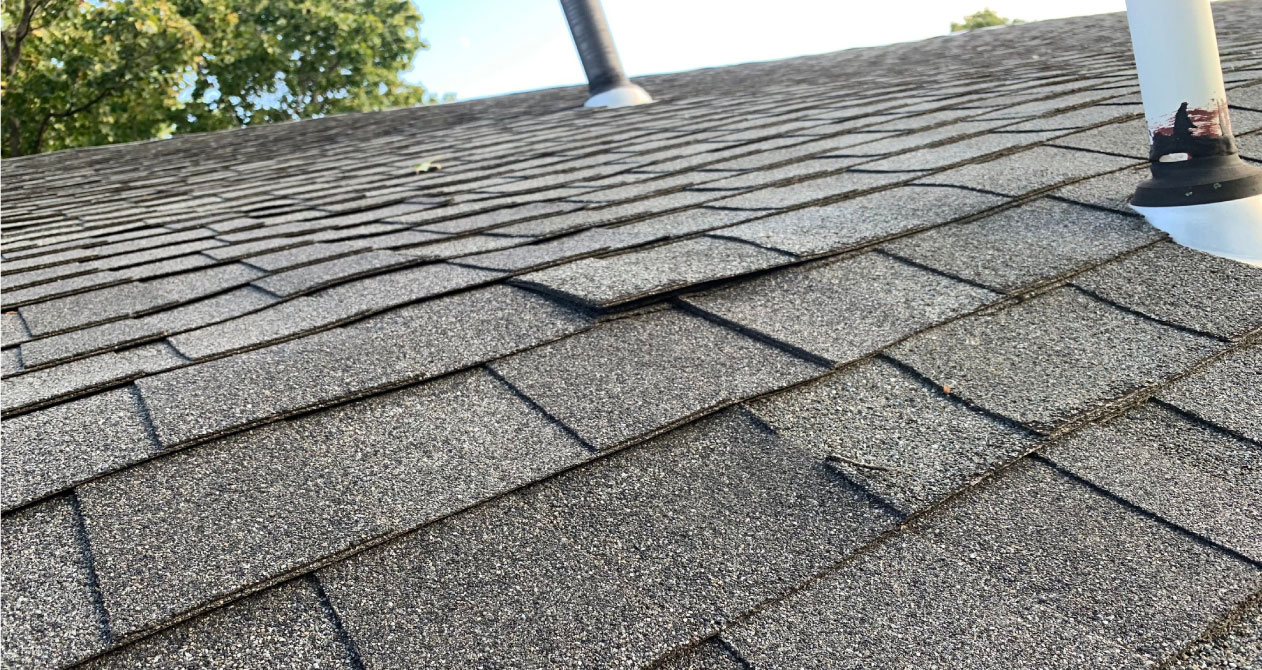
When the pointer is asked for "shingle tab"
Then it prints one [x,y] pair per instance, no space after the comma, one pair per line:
[49,620]
[404,286]
[584,243]
[14,329]
[895,438]
[1183,286]
[849,223]
[845,309]
[814,189]
[41,387]
[1191,475]
[1133,580]
[204,312]
[1028,362]
[278,322]
[610,281]
[615,564]
[1026,245]
[1030,171]
[54,448]
[80,343]
[1227,392]
[282,629]
[633,377]
[311,253]
[310,277]
[906,600]
[85,309]
[421,341]
[264,499]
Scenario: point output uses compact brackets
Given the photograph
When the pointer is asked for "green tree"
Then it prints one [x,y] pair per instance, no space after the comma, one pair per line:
[983,19]
[86,72]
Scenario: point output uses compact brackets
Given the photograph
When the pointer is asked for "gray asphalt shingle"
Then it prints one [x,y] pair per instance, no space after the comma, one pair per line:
[49,619]
[421,341]
[278,322]
[909,600]
[79,343]
[1227,392]
[311,277]
[1025,245]
[610,563]
[1028,362]
[814,189]
[1131,579]
[283,629]
[1182,286]
[678,365]
[610,281]
[818,230]
[180,531]
[1030,170]
[895,438]
[1193,476]
[845,309]
[57,447]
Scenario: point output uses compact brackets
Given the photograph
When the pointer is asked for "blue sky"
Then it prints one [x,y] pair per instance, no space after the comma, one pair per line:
[487,47]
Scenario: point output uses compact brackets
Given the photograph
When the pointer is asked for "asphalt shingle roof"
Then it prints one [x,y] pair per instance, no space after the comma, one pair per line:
[851,360]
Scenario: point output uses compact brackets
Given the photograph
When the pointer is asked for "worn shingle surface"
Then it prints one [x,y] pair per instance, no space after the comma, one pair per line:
[788,369]
[634,376]
[1025,245]
[1031,362]
[629,574]
[1195,476]
[1185,287]
[846,309]
[1227,392]
[49,619]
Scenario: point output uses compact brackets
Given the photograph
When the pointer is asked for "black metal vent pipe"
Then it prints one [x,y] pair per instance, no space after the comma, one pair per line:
[606,82]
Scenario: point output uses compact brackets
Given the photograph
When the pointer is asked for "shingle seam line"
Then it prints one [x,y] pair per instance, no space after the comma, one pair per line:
[146,418]
[1201,421]
[530,402]
[104,629]
[335,620]
[1191,534]
[1148,317]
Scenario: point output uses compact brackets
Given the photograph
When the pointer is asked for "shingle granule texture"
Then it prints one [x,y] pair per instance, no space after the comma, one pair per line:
[817,230]
[908,599]
[1193,476]
[309,277]
[1227,392]
[177,532]
[1238,646]
[1192,289]
[1030,171]
[612,563]
[63,445]
[1027,244]
[845,309]
[425,340]
[1139,583]
[282,629]
[1029,362]
[49,619]
[899,441]
[633,377]
[605,282]
[79,343]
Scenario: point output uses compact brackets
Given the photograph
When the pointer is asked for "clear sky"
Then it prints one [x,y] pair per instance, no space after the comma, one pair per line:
[487,47]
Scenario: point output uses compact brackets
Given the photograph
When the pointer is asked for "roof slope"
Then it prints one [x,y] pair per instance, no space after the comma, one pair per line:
[839,361]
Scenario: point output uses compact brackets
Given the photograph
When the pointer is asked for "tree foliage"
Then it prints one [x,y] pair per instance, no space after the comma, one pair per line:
[983,19]
[86,72]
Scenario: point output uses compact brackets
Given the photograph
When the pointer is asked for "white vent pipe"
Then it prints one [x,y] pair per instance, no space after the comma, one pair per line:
[1201,193]
[606,82]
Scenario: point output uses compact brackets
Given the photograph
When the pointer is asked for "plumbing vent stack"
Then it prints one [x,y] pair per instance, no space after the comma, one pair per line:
[607,83]
[1201,193]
